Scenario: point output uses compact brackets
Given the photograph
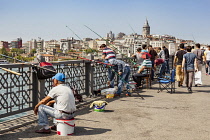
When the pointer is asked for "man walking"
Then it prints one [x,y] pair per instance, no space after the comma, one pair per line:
[189,66]
[207,60]
[200,58]
[65,104]
[178,65]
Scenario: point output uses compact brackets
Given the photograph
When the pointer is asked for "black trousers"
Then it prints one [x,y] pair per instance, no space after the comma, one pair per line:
[137,77]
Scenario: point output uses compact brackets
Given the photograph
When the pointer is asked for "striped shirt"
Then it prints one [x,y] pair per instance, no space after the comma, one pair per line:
[121,64]
[109,53]
[147,63]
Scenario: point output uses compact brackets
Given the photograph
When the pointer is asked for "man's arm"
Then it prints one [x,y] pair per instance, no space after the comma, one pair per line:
[175,59]
[196,64]
[183,62]
[143,67]
[50,103]
[133,55]
[43,101]
[103,56]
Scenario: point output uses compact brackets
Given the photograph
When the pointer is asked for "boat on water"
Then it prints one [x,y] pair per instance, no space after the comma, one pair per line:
[3,61]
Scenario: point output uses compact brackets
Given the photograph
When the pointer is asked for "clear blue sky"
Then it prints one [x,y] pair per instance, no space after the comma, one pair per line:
[48,18]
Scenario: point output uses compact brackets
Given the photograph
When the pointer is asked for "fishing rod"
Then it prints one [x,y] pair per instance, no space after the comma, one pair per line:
[27,63]
[110,44]
[78,37]
[10,71]
[193,38]
[73,32]
[132,29]
[91,60]
[109,65]
[88,47]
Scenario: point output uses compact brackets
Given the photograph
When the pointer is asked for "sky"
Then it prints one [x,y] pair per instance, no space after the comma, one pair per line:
[30,19]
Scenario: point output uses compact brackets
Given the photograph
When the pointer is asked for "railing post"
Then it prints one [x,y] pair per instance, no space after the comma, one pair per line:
[89,77]
[41,89]
[34,89]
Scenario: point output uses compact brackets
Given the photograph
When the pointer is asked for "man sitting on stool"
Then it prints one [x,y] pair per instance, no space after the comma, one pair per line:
[65,104]
[142,71]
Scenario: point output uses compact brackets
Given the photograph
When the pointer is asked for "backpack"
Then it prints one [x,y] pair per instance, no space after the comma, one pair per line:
[44,73]
[77,96]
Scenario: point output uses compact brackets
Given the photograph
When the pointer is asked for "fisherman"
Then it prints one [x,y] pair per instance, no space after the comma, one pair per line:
[107,55]
[123,72]
[142,72]
[65,104]
[154,56]
[138,57]
[167,69]
[162,64]
[144,48]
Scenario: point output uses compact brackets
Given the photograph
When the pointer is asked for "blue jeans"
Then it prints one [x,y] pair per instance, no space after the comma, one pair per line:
[111,74]
[45,111]
[167,69]
[162,69]
[124,79]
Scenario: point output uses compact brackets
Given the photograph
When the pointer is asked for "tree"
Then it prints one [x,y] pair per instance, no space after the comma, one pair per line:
[33,51]
[90,50]
[3,51]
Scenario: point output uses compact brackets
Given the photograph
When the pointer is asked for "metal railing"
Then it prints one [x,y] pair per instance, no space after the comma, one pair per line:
[21,93]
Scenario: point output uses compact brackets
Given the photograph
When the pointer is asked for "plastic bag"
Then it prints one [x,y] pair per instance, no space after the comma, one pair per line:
[198,80]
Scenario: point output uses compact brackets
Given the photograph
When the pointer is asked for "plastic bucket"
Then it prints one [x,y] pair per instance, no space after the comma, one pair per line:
[99,109]
[110,92]
[65,127]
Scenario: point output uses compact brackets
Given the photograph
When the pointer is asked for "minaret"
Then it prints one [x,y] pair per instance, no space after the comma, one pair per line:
[146,29]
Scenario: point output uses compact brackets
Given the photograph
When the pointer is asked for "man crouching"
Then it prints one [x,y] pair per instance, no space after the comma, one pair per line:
[64,100]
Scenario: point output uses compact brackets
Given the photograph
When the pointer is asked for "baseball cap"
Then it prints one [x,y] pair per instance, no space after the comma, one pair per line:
[59,77]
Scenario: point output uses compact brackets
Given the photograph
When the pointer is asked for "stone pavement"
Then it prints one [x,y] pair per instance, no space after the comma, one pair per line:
[161,116]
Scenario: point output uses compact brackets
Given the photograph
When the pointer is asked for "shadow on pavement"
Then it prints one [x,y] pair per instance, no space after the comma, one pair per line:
[29,133]
[79,131]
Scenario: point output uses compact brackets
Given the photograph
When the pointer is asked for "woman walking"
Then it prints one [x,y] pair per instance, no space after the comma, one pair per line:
[189,66]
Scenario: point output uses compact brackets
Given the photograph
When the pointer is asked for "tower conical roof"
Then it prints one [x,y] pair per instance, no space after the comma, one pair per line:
[146,24]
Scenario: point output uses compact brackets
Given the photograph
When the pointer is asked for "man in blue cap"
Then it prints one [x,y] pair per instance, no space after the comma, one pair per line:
[65,104]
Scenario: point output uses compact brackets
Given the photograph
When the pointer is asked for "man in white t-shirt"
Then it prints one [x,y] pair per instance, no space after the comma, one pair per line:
[65,104]
[207,60]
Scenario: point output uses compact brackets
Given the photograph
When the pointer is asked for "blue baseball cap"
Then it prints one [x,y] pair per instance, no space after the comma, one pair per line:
[59,77]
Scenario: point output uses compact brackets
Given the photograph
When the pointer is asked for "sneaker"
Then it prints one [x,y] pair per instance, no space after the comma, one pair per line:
[196,85]
[43,131]
[189,90]
[54,127]
[128,95]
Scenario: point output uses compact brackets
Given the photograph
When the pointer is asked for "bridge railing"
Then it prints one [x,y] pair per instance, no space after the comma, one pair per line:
[21,93]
